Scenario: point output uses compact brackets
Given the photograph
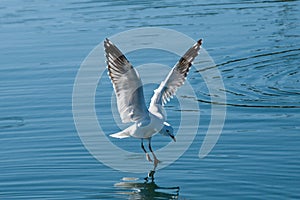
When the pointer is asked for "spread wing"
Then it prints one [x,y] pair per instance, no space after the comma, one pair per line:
[127,85]
[174,80]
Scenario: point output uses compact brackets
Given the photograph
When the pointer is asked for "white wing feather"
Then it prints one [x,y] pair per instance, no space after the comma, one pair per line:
[127,85]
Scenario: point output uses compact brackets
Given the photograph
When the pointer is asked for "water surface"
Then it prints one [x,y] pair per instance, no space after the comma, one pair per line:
[255,45]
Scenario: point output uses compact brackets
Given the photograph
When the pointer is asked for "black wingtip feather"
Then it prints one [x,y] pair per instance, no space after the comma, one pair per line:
[199,42]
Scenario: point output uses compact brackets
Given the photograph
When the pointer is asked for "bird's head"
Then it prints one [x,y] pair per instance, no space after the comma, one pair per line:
[167,130]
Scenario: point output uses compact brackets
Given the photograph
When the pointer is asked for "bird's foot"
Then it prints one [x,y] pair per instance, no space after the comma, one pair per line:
[148,157]
[150,175]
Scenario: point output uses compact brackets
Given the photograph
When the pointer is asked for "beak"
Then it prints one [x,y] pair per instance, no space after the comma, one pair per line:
[173,137]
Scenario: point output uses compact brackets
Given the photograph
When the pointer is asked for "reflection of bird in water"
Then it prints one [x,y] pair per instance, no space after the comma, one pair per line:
[146,190]
[130,97]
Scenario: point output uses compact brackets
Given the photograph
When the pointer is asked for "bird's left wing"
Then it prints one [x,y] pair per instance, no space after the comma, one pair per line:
[174,80]
[127,85]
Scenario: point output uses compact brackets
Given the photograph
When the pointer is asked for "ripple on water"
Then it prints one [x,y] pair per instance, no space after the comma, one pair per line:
[10,122]
[265,80]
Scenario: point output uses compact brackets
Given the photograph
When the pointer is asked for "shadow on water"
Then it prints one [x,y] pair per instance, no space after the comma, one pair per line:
[146,189]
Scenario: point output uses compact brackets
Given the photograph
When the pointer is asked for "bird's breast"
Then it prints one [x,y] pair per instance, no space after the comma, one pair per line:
[149,130]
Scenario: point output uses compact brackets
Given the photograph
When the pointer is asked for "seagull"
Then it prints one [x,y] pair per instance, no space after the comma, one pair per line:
[131,104]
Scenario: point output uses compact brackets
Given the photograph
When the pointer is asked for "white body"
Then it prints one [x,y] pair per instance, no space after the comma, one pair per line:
[145,131]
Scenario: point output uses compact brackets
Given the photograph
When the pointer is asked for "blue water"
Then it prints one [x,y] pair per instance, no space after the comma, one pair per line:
[255,45]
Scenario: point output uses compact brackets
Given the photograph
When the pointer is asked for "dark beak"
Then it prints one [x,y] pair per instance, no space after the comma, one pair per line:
[173,137]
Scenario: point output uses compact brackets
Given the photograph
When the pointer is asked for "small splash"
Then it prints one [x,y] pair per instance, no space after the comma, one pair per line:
[11,122]
[134,188]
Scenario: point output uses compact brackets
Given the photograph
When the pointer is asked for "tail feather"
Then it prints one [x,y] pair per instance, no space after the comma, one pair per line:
[120,135]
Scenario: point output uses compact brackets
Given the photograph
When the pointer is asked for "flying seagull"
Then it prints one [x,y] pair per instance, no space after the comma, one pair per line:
[130,97]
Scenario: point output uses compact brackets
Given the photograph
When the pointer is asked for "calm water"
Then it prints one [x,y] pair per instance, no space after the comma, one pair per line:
[255,44]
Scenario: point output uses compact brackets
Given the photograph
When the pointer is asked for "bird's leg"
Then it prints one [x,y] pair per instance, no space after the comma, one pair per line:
[156,161]
[147,155]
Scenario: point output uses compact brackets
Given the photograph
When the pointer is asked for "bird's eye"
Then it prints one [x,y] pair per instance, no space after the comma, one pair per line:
[167,131]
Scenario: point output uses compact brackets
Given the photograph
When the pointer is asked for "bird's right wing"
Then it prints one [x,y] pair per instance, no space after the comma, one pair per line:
[127,85]
[174,80]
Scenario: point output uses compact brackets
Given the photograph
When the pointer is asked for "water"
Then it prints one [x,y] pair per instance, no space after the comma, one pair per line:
[255,45]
